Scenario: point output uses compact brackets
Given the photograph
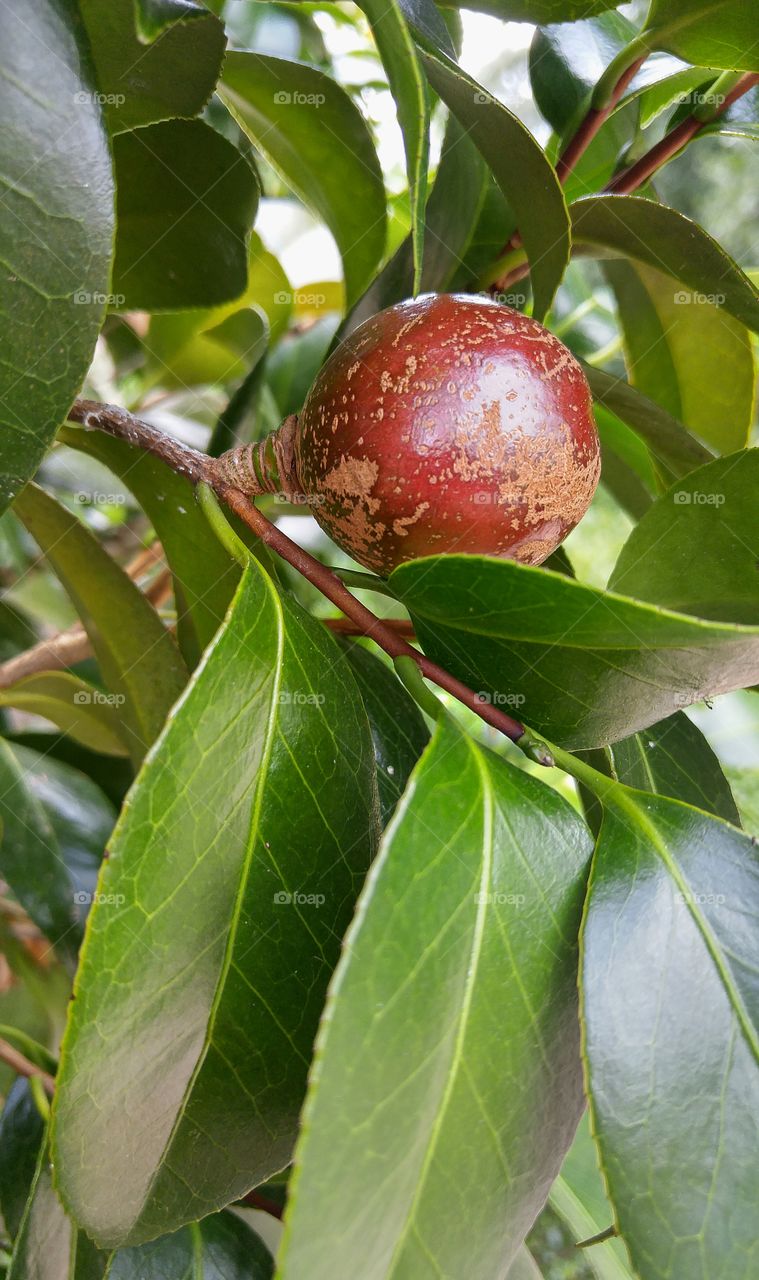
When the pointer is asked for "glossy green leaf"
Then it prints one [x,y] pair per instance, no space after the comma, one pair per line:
[295,363]
[741,120]
[669,933]
[424,17]
[221,1247]
[31,860]
[154,16]
[142,83]
[466,927]
[204,573]
[684,352]
[139,660]
[399,732]
[317,140]
[667,439]
[48,1245]
[81,817]
[662,81]
[217,886]
[674,759]
[408,85]
[696,549]
[519,164]
[714,33]
[567,60]
[78,708]
[22,1130]
[451,216]
[185,205]
[579,1198]
[660,237]
[592,666]
[544,11]
[56,227]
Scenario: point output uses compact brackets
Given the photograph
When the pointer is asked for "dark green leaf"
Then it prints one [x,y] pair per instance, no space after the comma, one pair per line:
[22,1130]
[56,228]
[467,925]
[215,963]
[686,354]
[697,549]
[399,733]
[424,17]
[142,83]
[592,666]
[48,1246]
[31,860]
[714,33]
[408,85]
[544,11]
[81,817]
[669,979]
[525,176]
[154,16]
[185,205]
[137,655]
[451,216]
[78,708]
[566,61]
[665,436]
[221,1247]
[660,237]
[316,138]
[295,363]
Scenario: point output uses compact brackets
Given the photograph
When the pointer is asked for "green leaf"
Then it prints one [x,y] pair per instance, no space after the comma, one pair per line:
[539,10]
[221,1247]
[519,164]
[660,237]
[295,363]
[579,1198]
[399,733]
[81,817]
[662,81]
[181,1007]
[665,436]
[714,33]
[408,85]
[185,205]
[451,217]
[22,1130]
[696,549]
[137,655]
[154,16]
[566,61]
[674,759]
[668,934]
[524,1267]
[466,926]
[686,354]
[592,666]
[56,228]
[142,83]
[316,138]
[741,120]
[48,1246]
[85,713]
[31,860]
[424,17]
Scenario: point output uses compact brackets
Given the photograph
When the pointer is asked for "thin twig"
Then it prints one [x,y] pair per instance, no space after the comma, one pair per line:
[199,467]
[257,1201]
[593,120]
[346,627]
[23,1067]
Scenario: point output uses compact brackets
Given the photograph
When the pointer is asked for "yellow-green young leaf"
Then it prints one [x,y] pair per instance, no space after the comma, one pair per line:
[317,139]
[662,238]
[85,713]
[680,621]
[714,33]
[138,657]
[686,354]
[56,228]
[142,83]
[520,167]
[186,200]
[448,1056]
[408,85]
[671,1034]
[218,922]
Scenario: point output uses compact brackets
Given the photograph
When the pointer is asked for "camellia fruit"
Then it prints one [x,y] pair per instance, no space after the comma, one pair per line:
[449,423]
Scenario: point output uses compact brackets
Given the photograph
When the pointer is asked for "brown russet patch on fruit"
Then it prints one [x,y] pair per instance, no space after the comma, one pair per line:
[354,479]
[552,478]
[400,525]
[535,552]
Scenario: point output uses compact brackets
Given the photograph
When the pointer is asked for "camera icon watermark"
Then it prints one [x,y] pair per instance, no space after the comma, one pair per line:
[100,99]
[688,497]
[501,699]
[96,697]
[283,98]
[298,899]
[83,298]
[481,98]
[299,698]
[500,899]
[685,296]
[84,899]
[98,499]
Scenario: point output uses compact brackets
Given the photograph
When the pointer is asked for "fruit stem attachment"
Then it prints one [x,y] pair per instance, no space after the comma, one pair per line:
[199,468]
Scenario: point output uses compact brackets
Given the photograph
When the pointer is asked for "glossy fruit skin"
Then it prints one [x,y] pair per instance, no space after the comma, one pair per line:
[449,423]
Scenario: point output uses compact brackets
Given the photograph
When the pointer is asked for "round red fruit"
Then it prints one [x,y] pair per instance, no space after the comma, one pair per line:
[449,423]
